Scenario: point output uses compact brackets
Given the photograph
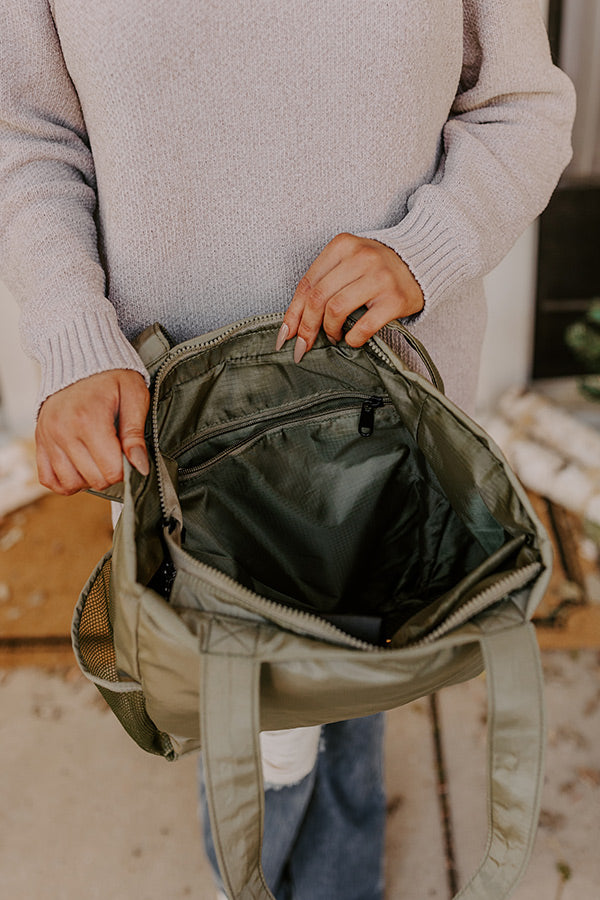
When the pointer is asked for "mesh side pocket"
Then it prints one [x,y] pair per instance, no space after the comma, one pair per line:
[94,648]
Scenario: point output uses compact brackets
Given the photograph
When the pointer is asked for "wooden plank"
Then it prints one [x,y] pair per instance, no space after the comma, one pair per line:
[415,853]
[462,712]
[554,596]
[47,551]
[569,615]
[581,630]
[49,654]
[85,812]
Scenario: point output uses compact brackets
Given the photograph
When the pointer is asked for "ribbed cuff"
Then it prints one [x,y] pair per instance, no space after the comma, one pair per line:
[430,249]
[85,346]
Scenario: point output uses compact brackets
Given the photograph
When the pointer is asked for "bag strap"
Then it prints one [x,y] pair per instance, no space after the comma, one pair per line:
[419,348]
[229,728]
[229,713]
[516,737]
[152,346]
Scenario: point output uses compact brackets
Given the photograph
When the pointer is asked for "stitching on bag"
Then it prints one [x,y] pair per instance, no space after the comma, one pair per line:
[420,417]
[226,631]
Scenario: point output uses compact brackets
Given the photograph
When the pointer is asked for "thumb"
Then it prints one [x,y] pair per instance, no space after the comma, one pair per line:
[133,409]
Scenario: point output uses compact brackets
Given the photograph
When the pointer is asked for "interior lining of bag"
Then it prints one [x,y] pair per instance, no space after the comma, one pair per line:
[307,512]
[360,528]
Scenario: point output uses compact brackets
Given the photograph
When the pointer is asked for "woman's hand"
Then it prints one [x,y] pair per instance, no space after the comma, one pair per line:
[349,273]
[84,429]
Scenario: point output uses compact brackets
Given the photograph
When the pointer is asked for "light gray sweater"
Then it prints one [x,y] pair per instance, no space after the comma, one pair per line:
[184,162]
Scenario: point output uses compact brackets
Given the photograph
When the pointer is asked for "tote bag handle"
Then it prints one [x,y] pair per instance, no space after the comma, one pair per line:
[418,347]
[411,340]
[229,716]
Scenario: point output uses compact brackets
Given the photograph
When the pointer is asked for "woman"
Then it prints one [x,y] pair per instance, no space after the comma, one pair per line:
[196,163]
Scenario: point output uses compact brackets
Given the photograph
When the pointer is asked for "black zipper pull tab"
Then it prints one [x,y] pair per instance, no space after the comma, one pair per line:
[366,423]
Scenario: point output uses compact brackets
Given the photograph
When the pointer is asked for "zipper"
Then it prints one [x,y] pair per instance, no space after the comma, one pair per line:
[280,412]
[366,423]
[190,348]
[315,626]
[288,617]
[482,601]
[303,621]
[273,421]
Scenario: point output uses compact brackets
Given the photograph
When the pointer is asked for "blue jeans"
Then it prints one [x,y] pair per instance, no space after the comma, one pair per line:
[323,837]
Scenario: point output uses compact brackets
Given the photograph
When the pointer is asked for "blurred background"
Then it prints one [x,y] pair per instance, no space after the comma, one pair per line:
[539,396]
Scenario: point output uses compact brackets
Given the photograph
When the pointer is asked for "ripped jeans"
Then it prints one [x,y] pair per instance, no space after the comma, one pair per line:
[324,833]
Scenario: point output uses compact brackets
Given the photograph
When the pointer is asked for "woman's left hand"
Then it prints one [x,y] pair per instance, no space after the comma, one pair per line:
[349,273]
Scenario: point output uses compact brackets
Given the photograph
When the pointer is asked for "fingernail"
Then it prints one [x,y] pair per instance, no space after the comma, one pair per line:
[300,348]
[331,340]
[282,336]
[139,459]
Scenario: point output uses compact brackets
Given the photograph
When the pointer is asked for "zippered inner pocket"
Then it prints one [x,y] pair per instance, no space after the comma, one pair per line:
[209,448]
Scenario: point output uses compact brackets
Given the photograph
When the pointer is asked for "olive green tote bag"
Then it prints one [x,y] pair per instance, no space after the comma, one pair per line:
[315,542]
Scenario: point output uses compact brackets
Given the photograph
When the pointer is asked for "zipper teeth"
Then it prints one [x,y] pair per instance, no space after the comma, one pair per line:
[189,471]
[285,616]
[174,357]
[480,602]
[381,354]
[280,613]
[278,413]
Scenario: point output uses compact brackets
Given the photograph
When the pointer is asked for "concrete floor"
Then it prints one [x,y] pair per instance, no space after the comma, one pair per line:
[85,814]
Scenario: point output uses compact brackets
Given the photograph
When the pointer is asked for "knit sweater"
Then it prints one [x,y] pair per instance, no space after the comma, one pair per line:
[184,162]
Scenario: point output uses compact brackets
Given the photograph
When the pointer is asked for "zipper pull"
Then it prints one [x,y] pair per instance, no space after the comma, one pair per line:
[366,423]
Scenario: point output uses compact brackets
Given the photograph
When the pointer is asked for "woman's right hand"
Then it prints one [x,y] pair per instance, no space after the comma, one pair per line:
[84,429]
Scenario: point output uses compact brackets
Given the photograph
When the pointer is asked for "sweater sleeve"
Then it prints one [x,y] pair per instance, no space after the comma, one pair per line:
[505,144]
[48,241]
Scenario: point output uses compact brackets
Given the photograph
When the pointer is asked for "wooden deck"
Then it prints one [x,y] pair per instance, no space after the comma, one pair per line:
[436,748]
[47,551]
[568,618]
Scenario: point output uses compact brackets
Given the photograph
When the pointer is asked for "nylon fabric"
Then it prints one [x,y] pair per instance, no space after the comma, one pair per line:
[344,535]
[232,753]
[516,752]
